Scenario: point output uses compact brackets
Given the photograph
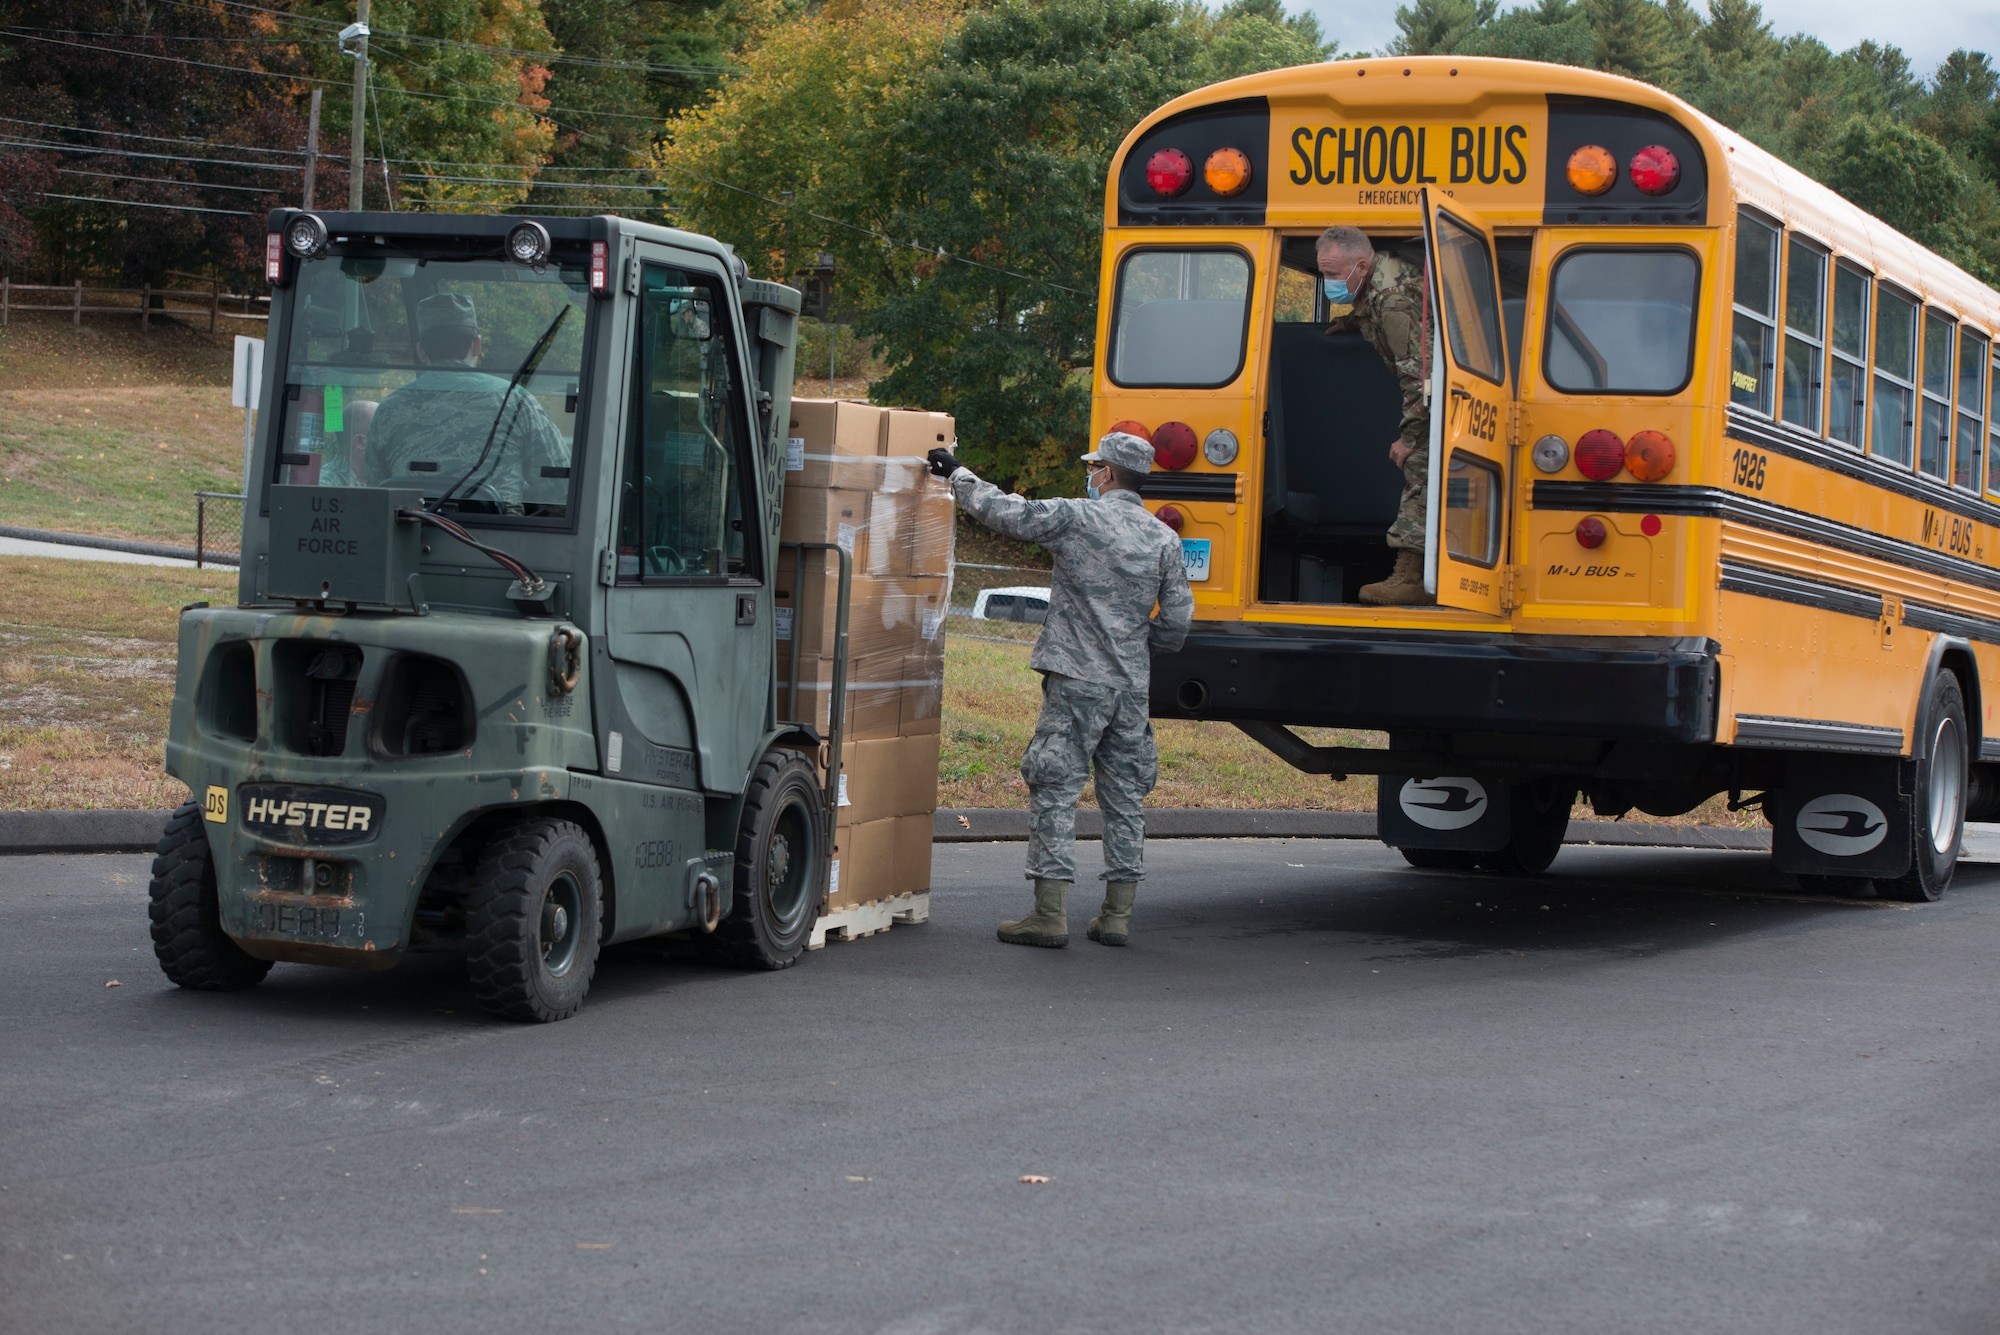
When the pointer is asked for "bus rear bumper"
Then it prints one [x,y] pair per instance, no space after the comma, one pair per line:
[1640,688]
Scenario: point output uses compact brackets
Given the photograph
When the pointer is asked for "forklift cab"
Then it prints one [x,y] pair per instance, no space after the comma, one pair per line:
[499,678]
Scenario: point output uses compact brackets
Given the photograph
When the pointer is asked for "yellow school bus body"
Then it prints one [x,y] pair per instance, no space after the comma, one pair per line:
[1826,585]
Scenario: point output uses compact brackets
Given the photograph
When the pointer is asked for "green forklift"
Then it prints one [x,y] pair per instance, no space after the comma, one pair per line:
[500,676]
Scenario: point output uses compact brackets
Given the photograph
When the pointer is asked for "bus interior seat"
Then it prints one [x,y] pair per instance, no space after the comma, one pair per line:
[1180,342]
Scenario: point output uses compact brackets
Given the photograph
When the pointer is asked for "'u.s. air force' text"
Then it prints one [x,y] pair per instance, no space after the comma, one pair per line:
[1406,154]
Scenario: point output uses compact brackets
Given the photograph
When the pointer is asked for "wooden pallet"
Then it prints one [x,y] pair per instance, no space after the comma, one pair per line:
[851,924]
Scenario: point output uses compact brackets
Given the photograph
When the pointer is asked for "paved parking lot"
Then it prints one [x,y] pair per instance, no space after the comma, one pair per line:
[1659,1091]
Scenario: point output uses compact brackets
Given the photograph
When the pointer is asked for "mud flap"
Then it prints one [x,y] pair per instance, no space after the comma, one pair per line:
[1468,814]
[1842,816]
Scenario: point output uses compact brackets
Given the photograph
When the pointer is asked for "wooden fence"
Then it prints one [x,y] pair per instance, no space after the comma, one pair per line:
[195,303]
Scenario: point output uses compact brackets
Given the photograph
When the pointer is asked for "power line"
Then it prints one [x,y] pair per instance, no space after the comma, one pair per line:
[286,152]
[155,138]
[164,180]
[17,141]
[142,204]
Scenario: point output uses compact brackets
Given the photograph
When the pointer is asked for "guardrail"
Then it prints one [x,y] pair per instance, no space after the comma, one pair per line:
[194,303]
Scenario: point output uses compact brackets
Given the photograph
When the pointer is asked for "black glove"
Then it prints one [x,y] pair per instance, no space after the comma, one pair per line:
[943,463]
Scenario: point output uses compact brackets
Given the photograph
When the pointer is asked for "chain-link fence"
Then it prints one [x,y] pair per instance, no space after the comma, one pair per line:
[218,528]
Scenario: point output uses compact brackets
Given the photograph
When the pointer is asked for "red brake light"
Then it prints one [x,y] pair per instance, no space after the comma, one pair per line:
[1590,531]
[1171,517]
[1655,170]
[1169,171]
[1173,445]
[600,268]
[1131,428]
[1600,455]
[274,257]
[1649,455]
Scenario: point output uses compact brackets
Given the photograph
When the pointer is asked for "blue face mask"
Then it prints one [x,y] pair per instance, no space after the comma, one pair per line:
[1090,484]
[1336,291]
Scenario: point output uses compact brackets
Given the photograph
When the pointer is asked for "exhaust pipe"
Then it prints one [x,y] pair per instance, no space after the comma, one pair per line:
[1192,696]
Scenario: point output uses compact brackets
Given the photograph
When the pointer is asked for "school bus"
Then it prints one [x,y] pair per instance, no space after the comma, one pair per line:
[1708,509]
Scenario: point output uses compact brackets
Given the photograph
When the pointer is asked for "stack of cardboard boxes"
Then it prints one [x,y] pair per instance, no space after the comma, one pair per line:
[856,478]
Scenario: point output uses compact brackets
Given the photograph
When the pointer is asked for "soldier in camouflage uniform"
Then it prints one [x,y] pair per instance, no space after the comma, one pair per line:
[443,416]
[1114,563]
[1385,300]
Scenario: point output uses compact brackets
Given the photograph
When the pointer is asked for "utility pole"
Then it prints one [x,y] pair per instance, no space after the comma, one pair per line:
[358,169]
[312,148]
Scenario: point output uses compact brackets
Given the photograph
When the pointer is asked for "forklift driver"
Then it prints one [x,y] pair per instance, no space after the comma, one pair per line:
[437,426]
[1384,298]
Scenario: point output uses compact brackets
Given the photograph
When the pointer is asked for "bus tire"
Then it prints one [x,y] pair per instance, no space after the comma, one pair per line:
[1540,816]
[780,849]
[1440,859]
[1938,788]
[186,913]
[534,921]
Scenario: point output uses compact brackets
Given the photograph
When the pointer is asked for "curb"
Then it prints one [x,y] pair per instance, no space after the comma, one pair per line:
[972,825]
[117,545]
[30,832]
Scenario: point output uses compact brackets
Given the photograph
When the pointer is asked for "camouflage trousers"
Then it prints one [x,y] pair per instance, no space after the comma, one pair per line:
[1084,723]
[1408,530]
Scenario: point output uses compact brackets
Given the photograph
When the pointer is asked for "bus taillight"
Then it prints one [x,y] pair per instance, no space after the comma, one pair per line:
[1590,531]
[1169,171]
[1130,428]
[1171,516]
[1655,170]
[1600,455]
[1227,171]
[1649,455]
[1592,169]
[1173,445]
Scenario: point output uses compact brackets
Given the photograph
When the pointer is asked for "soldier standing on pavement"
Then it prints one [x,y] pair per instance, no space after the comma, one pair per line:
[1384,298]
[1114,563]
[443,418]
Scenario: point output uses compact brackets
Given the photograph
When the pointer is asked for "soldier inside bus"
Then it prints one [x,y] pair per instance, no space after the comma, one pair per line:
[432,431]
[1383,297]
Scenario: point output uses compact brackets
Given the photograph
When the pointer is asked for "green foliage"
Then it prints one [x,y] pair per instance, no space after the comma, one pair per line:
[1912,182]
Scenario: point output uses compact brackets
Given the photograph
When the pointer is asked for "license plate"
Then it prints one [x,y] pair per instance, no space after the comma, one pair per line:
[1194,554]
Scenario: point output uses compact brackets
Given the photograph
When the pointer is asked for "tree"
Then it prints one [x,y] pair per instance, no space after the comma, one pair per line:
[1913,183]
[1440,27]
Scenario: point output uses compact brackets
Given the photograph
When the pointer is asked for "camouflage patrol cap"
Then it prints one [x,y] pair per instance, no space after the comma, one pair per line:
[1123,449]
[446,310]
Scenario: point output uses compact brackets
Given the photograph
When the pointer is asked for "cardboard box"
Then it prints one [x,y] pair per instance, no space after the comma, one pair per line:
[911,838]
[874,694]
[911,433]
[920,707]
[838,515]
[885,614]
[865,855]
[826,430]
[888,776]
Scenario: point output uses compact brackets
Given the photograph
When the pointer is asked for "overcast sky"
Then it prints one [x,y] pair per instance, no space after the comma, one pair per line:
[1926,30]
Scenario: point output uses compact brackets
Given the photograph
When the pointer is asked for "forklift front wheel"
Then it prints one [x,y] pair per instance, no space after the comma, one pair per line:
[533,924]
[188,939]
[780,855]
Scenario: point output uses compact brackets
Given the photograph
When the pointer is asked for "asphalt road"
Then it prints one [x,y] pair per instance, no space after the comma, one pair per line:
[1659,1091]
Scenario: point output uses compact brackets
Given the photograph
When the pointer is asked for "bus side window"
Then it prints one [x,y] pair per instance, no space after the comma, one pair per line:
[1993,426]
[1753,338]
[1847,376]
[1965,461]
[1934,440]
[1805,333]
[1894,424]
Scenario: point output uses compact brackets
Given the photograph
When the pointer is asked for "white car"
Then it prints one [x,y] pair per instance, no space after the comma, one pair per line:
[1019,603]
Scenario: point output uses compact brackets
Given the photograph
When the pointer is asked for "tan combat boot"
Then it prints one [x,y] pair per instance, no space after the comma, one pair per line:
[1404,587]
[1048,925]
[1113,924]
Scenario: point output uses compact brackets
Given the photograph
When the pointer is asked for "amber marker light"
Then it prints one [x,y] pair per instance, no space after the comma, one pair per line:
[1655,170]
[1599,455]
[1649,455]
[1590,531]
[1227,171]
[1169,171]
[1171,517]
[1131,428]
[1592,170]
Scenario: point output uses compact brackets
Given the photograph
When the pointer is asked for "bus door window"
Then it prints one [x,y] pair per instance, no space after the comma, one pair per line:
[1753,338]
[1971,409]
[1934,440]
[1847,377]
[1895,420]
[1805,331]
[1621,321]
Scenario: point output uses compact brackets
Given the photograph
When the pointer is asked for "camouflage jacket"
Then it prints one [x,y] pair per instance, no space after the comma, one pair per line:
[1390,315]
[442,418]
[1114,562]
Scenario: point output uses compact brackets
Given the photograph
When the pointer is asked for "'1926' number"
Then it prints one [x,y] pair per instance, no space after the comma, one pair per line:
[1749,470]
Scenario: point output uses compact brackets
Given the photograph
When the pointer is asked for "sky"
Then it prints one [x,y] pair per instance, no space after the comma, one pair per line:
[1927,30]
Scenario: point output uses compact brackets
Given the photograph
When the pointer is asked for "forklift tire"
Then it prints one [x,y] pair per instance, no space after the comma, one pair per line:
[193,950]
[534,921]
[1540,820]
[1440,859]
[780,850]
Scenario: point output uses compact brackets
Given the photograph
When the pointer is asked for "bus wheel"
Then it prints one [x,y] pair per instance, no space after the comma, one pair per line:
[1937,796]
[533,922]
[780,850]
[1540,820]
[1440,859]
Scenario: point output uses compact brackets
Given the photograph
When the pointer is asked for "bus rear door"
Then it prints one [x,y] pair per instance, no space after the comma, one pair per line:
[1470,401]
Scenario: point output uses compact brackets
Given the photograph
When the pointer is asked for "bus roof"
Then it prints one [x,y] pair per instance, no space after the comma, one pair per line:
[1739,171]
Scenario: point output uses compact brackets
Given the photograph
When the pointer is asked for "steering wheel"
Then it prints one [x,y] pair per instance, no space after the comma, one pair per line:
[664,560]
